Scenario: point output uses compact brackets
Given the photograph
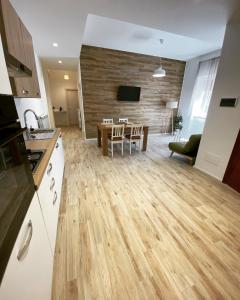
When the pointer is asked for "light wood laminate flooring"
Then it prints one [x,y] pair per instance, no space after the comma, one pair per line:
[144,226]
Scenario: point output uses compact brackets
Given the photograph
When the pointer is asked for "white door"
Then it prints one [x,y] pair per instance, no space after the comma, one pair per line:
[28,274]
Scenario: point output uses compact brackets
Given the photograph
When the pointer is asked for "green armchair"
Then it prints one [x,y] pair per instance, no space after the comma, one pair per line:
[188,149]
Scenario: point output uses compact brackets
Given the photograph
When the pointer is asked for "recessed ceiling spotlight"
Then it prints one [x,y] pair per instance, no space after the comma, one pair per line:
[55,44]
[60,62]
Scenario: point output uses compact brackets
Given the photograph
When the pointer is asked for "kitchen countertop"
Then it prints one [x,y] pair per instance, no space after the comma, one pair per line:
[47,145]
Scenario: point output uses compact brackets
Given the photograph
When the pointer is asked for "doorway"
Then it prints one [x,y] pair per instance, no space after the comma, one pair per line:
[232,174]
[72,107]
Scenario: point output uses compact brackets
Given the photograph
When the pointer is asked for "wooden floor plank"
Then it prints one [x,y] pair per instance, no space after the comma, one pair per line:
[144,226]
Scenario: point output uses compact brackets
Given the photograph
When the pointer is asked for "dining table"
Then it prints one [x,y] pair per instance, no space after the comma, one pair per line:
[105,130]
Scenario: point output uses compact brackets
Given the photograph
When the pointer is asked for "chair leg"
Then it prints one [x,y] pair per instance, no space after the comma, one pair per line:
[139,145]
[130,145]
[171,154]
[122,148]
[112,148]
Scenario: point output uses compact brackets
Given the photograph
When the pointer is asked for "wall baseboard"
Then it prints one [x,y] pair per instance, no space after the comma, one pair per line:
[208,173]
[92,139]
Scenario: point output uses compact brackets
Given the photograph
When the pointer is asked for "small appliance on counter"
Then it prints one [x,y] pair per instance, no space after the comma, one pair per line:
[16,181]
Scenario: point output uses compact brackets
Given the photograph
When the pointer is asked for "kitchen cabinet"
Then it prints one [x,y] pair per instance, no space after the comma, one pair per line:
[18,44]
[5,87]
[11,31]
[49,191]
[28,274]
[26,87]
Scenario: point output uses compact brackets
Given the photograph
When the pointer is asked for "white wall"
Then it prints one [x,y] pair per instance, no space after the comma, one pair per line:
[5,87]
[58,86]
[39,105]
[222,124]
[190,75]
[48,95]
[80,96]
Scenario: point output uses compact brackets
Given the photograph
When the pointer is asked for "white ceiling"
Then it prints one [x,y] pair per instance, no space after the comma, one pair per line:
[68,63]
[64,21]
[113,34]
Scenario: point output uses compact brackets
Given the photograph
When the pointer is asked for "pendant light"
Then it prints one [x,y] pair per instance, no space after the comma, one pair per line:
[159,72]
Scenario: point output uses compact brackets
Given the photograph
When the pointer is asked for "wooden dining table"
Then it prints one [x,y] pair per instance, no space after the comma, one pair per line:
[105,130]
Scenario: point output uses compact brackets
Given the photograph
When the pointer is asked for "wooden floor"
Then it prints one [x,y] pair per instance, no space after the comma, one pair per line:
[144,227]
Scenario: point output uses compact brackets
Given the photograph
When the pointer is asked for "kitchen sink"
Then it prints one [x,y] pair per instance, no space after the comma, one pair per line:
[41,134]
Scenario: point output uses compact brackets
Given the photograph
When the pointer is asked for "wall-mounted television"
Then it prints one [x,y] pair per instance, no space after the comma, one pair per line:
[128,93]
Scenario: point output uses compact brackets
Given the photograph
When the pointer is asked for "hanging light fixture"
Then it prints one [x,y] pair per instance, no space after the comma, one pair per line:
[160,72]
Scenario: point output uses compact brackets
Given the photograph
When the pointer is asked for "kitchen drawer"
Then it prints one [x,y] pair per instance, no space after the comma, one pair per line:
[59,163]
[28,274]
[49,205]
[49,192]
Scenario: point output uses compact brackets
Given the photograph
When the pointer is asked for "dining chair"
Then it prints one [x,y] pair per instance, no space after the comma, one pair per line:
[117,136]
[123,120]
[135,136]
[107,121]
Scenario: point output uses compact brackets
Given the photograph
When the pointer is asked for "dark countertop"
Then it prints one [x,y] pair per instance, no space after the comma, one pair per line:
[47,145]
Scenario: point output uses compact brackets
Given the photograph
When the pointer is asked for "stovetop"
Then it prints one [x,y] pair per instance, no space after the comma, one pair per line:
[34,157]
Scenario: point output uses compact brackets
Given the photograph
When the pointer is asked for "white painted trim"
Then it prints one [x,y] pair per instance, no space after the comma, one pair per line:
[81,100]
[208,173]
[160,134]
[92,139]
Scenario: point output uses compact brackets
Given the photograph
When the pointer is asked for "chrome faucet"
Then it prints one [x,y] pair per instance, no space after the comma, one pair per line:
[25,119]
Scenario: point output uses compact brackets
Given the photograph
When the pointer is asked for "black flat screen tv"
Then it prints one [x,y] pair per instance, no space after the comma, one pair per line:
[128,93]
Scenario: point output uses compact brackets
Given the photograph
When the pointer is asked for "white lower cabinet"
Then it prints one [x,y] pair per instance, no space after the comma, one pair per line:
[49,192]
[28,275]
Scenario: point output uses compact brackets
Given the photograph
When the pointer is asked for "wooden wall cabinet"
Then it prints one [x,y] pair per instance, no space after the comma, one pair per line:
[17,43]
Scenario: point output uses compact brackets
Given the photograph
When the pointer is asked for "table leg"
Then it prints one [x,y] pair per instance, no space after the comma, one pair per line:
[145,138]
[99,136]
[105,142]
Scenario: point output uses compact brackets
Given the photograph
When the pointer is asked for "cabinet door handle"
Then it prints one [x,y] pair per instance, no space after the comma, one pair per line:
[57,145]
[25,92]
[26,244]
[49,169]
[52,184]
[55,198]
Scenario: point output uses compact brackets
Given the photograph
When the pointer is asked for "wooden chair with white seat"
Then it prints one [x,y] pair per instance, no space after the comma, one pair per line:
[107,121]
[123,120]
[117,136]
[135,136]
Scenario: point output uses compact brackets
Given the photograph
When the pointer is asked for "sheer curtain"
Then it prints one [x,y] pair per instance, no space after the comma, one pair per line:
[201,96]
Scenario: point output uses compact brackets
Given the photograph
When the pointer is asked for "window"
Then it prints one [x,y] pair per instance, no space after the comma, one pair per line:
[203,87]
[202,92]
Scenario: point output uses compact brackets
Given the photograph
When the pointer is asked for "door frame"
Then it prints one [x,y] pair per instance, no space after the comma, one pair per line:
[229,168]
